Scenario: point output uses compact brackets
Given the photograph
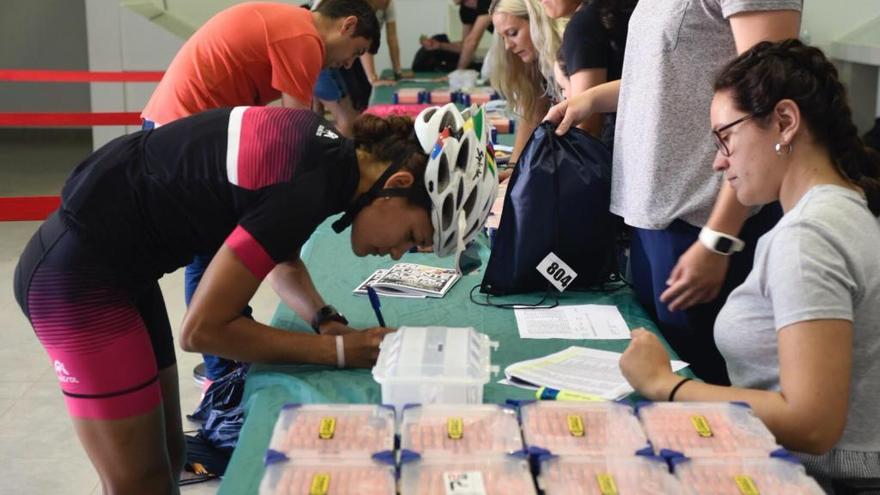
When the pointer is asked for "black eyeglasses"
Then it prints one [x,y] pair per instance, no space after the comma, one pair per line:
[719,141]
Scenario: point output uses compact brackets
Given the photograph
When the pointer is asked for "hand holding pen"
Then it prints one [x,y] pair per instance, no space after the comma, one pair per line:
[374,301]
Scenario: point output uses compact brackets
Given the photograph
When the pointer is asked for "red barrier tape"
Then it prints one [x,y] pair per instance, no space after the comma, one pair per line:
[28,208]
[19,119]
[78,76]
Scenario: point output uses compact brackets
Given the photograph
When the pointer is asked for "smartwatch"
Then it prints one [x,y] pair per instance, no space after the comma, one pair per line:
[720,243]
[327,313]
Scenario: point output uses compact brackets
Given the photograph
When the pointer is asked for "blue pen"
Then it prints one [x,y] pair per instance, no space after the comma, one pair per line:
[374,301]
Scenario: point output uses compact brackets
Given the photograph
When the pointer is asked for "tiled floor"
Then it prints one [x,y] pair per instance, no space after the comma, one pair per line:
[39,451]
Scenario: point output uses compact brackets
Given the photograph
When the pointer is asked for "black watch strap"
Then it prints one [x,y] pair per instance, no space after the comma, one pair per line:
[327,313]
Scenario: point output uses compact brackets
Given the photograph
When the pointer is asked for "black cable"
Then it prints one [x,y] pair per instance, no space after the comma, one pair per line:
[518,305]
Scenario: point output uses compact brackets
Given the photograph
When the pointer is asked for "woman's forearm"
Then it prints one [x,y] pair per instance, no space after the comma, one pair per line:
[369,66]
[790,425]
[393,46]
[246,340]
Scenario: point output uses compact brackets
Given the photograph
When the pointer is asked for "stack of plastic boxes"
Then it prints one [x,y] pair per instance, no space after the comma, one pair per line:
[462,449]
[592,448]
[442,96]
[477,96]
[410,96]
[722,448]
[331,449]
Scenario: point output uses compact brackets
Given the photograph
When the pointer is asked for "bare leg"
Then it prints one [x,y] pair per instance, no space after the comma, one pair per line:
[174,439]
[130,455]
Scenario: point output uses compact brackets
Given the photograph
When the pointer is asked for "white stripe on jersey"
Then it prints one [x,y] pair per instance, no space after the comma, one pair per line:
[233,136]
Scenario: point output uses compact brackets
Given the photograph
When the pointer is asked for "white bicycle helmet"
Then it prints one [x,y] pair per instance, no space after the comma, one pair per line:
[461,179]
[433,120]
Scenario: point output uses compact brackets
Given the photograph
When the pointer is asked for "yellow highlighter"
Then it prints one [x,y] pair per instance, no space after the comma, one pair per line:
[547,393]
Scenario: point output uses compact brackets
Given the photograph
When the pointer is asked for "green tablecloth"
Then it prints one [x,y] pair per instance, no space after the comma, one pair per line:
[384,94]
[336,271]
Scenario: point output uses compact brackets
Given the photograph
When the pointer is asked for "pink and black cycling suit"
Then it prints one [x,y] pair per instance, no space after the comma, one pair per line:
[258,179]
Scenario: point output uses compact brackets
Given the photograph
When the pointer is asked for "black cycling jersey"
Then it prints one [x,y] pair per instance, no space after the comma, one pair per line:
[261,178]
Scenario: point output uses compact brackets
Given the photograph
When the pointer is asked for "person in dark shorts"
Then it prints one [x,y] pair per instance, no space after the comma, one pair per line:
[439,53]
[249,183]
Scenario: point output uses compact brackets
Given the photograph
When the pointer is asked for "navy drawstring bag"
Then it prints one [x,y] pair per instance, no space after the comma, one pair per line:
[557,201]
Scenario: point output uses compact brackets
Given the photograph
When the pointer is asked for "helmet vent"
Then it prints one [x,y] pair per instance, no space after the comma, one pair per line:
[442,173]
[469,203]
[464,153]
[448,212]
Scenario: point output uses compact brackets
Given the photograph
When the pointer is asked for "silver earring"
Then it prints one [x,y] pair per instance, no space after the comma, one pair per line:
[779,148]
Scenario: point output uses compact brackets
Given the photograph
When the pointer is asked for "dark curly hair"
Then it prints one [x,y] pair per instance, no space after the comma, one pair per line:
[770,72]
[391,139]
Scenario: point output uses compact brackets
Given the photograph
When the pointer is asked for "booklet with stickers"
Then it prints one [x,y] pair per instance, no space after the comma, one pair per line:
[410,280]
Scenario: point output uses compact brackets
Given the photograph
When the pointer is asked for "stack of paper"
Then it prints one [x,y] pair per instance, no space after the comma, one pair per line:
[586,321]
[579,369]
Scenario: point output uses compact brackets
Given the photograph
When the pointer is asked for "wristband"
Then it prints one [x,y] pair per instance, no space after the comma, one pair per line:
[340,352]
[675,389]
[719,242]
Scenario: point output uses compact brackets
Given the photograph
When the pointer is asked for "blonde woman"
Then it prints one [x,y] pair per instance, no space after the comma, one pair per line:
[523,72]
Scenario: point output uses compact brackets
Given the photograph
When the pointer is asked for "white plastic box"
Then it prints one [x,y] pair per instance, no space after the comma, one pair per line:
[434,365]
[706,429]
[582,428]
[487,475]
[345,430]
[454,430]
[327,476]
[737,476]
[600,475]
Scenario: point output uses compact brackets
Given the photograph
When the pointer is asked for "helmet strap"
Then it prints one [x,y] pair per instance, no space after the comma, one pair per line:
[417,195]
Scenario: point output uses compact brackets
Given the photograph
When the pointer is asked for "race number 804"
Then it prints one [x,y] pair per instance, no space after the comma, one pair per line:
[556,271]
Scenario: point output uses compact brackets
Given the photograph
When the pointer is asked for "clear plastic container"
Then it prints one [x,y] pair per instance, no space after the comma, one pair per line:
[347,430]
[408,96]
[433,365]
[305,476]
[444,430]
[744,476]
[582,428]
[441,96]
[601,475]
[487,475]
[706,429]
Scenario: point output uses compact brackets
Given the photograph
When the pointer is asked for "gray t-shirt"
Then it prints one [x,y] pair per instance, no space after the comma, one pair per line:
[663,148]
[819,262]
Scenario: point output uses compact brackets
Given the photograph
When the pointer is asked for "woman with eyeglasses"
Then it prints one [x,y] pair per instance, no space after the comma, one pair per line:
[692,242]
[801,336]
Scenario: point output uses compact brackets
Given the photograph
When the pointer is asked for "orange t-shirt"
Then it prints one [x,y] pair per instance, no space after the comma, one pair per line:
[247,54]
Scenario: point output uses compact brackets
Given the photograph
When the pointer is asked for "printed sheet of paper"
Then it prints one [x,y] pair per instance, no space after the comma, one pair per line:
[586,321]
[579,369]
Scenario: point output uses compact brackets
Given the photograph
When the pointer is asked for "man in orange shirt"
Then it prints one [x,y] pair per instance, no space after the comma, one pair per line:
[254,53]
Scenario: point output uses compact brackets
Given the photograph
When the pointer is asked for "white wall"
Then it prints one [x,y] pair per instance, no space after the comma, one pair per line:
[826,21]
[120,39]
